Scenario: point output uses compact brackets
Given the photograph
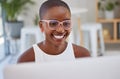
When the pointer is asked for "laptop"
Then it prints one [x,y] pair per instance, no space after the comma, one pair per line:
[83,68]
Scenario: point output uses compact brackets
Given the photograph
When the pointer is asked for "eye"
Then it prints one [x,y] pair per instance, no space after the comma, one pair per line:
[53,23]
[66,24]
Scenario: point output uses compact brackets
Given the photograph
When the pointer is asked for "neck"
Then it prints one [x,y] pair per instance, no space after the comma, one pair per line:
[53,49]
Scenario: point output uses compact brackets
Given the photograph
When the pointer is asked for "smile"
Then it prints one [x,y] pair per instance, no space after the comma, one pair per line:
[59,37]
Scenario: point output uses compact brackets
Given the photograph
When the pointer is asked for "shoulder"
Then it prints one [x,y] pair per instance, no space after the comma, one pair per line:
[27,56]
[80,51]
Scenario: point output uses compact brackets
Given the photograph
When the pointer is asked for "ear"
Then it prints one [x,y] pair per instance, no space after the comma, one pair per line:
[41,26]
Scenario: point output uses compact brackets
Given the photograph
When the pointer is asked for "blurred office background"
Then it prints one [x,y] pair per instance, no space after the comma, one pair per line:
[85,12]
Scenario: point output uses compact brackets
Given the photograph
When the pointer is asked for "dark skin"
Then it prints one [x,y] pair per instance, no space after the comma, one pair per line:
[52,45]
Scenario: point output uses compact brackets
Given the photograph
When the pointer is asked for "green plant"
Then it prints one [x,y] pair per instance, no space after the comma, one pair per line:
[110,6]
[117,3]
[14,7]
[36,20]
[100,7]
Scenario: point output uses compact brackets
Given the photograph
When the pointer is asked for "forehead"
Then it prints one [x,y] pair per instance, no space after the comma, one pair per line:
[58,12]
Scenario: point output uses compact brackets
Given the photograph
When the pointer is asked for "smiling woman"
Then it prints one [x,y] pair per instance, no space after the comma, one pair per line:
[55,23]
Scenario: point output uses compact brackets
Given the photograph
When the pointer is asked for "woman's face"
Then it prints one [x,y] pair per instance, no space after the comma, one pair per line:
[59,34]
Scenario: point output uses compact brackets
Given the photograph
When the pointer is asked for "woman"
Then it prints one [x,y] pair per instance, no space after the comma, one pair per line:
[55,23]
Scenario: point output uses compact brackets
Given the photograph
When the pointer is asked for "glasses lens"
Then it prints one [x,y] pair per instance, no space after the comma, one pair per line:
[67,24]
[53,24]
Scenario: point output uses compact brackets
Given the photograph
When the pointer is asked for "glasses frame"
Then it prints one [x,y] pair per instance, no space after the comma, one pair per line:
[59,23]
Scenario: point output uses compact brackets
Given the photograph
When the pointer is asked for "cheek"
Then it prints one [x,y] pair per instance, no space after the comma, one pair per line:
[47,31]
[68,32]
[43,28]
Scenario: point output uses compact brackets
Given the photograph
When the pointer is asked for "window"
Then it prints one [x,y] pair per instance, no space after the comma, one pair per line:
[1,27]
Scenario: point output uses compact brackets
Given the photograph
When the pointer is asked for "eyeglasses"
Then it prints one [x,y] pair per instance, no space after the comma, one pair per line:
[54,24]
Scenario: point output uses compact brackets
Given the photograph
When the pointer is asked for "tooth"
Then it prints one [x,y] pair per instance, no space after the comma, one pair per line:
[58,37]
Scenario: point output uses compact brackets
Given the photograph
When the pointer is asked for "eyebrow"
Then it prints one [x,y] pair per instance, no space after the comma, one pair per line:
[56,19]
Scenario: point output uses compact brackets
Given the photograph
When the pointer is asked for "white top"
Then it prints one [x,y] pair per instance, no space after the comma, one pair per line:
[41,56]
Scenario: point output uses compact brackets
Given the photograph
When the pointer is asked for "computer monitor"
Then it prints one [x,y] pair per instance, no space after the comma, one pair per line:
[82,68]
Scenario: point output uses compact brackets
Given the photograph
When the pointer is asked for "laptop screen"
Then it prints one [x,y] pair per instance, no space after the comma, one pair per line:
[82,68]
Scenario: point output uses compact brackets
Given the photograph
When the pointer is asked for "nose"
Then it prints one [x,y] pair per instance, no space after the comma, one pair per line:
[60,28]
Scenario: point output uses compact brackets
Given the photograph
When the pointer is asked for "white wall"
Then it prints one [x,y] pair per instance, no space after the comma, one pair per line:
[91,5]
[31,12]
[85,17]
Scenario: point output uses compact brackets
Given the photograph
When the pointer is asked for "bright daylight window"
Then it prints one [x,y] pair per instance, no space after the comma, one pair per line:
[1,31]
[1,27]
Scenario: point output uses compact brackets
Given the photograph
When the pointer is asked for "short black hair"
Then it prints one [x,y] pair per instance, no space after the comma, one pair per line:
[49,4]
